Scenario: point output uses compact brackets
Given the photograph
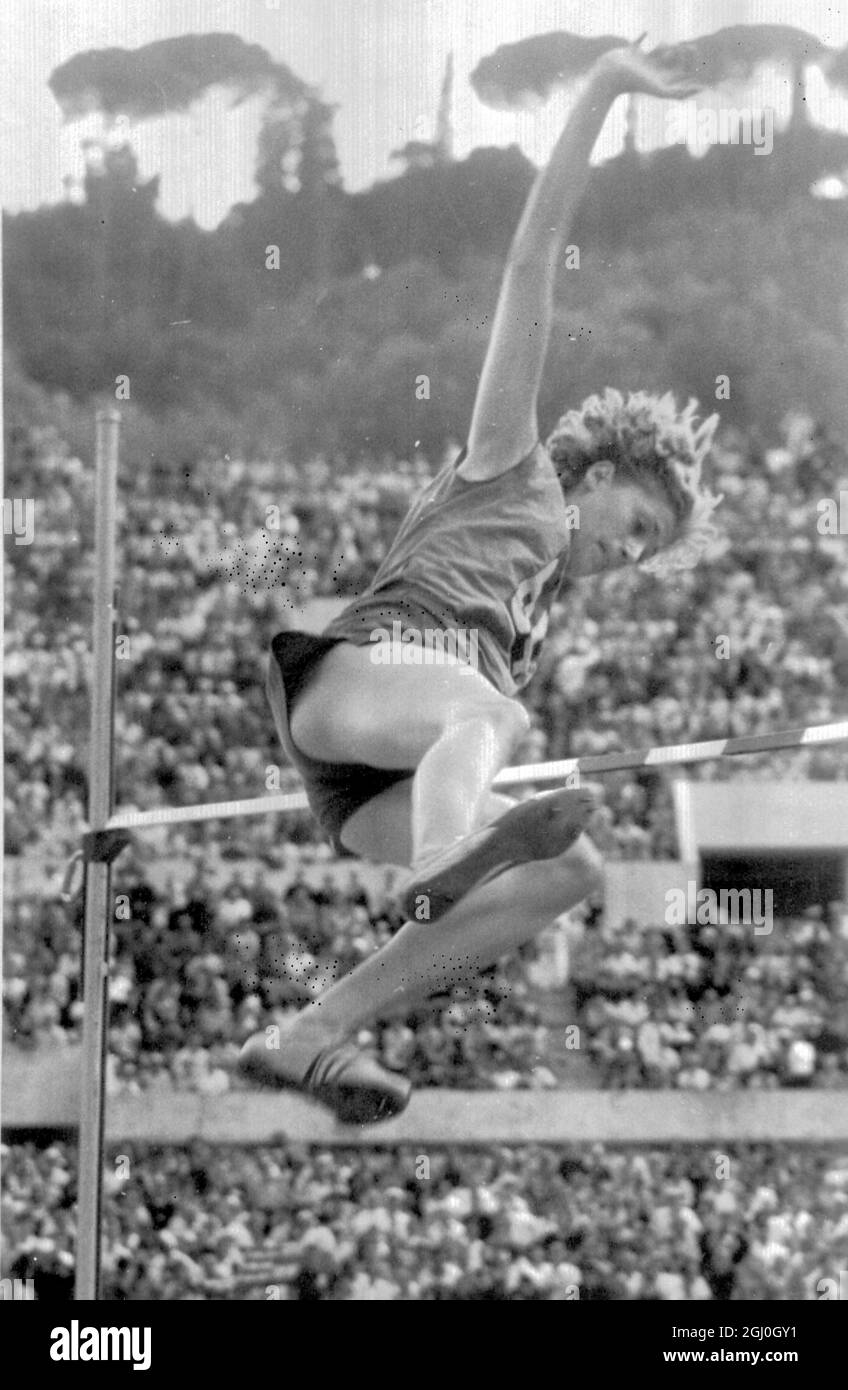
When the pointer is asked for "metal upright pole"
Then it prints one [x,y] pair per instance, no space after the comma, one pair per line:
[98,874]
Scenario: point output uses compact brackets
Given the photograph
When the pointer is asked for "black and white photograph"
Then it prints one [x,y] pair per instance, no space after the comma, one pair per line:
[426,664]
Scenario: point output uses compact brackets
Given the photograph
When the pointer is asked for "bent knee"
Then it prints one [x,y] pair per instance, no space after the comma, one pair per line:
[508,717]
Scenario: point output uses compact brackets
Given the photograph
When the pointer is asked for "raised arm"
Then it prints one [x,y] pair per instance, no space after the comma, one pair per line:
[504,427]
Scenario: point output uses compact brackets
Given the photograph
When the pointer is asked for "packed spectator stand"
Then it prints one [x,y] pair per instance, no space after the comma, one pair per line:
[530,1223]
[208,573]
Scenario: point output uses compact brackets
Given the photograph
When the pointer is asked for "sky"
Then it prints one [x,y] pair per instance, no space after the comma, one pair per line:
[380,61]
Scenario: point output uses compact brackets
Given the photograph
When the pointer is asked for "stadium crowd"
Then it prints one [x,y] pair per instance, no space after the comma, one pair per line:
[532,1223]
[193,975]
[189,983]
[209,571]
[716,1006]
[215,558]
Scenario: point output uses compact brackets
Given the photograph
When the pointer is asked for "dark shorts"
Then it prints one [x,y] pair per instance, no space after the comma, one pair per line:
[334,790]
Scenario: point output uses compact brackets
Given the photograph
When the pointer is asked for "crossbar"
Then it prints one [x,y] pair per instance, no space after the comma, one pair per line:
[594,765]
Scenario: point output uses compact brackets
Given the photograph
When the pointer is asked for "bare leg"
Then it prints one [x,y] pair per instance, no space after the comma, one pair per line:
[431,957]
[454,778]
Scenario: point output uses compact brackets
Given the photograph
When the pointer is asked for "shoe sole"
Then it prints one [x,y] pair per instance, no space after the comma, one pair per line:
[358,1105]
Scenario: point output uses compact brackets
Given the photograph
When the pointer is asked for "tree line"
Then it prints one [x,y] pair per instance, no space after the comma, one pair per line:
[689,268]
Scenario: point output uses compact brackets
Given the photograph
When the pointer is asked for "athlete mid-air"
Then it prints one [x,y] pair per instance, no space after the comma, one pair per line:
[398,757]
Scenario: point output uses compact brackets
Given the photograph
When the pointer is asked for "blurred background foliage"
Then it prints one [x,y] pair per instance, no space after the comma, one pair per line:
[689,268]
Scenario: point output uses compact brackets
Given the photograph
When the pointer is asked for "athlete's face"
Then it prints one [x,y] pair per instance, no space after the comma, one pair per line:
[620,523]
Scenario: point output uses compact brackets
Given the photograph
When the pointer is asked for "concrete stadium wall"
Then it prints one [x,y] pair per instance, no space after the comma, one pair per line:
[43,1092]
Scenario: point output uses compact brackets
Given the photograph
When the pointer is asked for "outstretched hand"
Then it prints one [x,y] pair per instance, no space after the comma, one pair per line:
[668,71]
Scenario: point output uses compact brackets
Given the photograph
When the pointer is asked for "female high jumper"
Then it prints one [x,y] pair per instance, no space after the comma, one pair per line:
[397,756]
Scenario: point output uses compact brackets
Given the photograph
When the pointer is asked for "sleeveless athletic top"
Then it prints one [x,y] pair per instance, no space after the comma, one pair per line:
[486,557]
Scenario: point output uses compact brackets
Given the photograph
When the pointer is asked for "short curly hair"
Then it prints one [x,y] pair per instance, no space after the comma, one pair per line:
[651,441]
